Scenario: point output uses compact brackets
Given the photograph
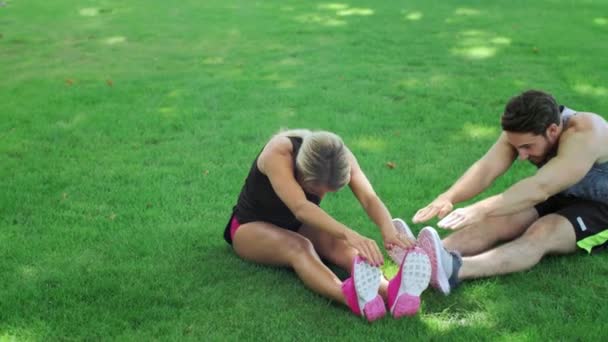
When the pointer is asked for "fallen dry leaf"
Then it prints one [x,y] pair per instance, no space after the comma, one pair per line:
[390,165]
[109,83]
[69,81]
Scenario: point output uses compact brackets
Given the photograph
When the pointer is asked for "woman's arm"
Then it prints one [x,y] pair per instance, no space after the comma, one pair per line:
[374,207]
[276,161]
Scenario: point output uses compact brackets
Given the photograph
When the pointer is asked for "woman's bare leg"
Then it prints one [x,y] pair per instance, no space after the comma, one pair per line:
[268,244]
[337,252]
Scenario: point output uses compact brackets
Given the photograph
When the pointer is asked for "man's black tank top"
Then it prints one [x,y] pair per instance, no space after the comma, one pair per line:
[259,202]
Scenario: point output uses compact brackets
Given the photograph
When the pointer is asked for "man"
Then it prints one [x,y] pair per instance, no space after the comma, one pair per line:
[561,208]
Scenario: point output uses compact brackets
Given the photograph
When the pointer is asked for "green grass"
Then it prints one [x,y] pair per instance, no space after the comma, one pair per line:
[127,129]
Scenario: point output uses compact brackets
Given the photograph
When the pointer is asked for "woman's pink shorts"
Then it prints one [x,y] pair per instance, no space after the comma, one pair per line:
[234,225]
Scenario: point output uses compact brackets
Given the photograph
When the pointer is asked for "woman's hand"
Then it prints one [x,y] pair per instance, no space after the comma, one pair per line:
[367,248]
[393,238]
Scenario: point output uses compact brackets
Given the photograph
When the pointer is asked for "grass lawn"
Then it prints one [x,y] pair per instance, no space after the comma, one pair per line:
[127,129]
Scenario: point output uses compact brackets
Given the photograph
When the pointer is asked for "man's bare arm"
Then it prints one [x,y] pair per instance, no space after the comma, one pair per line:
[476,179]
[578,151]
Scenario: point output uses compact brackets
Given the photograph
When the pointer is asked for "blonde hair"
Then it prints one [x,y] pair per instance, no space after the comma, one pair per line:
[322,159]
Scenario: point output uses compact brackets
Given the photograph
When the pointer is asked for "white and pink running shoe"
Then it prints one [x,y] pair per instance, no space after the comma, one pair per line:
[429,240]
[361,290]
[405,288]
[397,253]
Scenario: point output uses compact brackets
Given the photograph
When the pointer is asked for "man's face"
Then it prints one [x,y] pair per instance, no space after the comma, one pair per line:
[534,148]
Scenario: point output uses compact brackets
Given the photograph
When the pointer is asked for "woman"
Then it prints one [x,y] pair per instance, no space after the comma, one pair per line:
[278,221]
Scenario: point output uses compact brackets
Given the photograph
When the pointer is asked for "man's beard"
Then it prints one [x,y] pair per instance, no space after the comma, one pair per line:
[552,152]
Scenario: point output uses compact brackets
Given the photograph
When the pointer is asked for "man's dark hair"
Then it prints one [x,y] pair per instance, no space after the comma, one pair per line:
[533,111]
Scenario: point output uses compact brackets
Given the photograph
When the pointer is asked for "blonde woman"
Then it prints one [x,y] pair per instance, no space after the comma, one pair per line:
[277,221]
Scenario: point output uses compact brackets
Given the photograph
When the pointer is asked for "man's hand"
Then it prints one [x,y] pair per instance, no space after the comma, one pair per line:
[439,207]
[462,218]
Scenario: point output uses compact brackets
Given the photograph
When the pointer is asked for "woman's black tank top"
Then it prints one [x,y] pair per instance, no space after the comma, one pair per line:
[259,202]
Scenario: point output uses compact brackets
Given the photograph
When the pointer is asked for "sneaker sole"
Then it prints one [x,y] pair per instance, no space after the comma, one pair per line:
[429,240]
[367,282]
[415,277]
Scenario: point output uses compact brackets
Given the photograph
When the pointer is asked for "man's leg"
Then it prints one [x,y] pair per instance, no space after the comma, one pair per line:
[485,235]
[551,234]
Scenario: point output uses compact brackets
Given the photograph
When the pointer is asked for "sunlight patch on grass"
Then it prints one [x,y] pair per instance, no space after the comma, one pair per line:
[519,83]
[474,33]
[286,113]
[463,11]
[213,60]
[287,9]
[332,6]
[5,336]
[500,41]
[71,123]
[600,21]
[29,272]
[313,18]
[438,80]
[16,333]
[476,44]
[370,144]
[443,323]
[234,33]
[477,52]
[476,131]
[355,11]
[408,83]
[167,111]
[89,12]
[414,16]
[115,40]
[232,73]
[587,89]
[340,9]
[412,83]
[174,93]
[289,61]
[272,77]
[286,84]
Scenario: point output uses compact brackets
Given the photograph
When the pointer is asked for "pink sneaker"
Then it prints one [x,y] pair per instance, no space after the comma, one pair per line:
[361,290]
[405,288]
[397,253]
